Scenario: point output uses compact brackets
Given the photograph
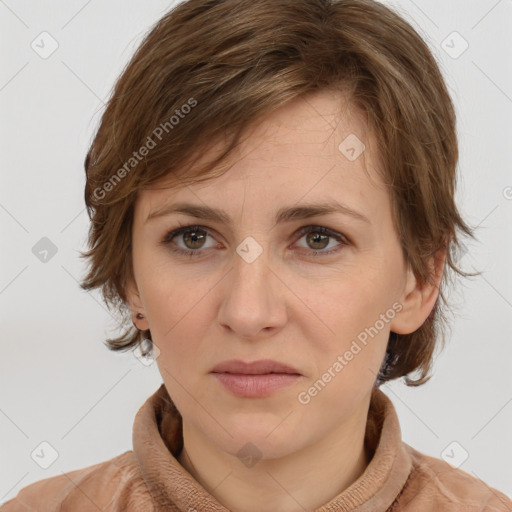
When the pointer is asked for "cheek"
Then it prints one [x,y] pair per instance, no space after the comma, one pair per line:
[348,304]
[353,314]
[157,281]
[348,359]
[179,313]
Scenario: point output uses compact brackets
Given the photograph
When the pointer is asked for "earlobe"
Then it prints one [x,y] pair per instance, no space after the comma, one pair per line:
[418,298]
[134,303]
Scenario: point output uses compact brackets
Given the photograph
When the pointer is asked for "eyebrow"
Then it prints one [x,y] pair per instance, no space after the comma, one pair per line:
[286,214]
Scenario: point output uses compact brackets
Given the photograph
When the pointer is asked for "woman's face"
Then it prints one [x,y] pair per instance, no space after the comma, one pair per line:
[256,286]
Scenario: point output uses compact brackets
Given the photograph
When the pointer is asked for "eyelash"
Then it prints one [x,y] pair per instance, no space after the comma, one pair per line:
[190,253]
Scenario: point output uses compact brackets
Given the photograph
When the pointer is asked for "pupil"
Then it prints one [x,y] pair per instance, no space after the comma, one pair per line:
[316,237]
[194,236]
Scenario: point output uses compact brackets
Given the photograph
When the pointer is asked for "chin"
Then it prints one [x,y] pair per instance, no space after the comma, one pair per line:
[251,450]
[260,440]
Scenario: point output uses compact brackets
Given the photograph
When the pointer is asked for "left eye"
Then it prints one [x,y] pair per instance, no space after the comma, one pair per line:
[317,237]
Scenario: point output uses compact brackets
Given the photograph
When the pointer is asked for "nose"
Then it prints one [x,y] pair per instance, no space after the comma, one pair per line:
[253,296]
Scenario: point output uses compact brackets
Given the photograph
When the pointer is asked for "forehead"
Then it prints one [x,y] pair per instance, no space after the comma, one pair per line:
[314,147]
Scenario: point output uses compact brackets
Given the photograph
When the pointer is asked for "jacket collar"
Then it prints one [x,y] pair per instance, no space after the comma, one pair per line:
[158,440]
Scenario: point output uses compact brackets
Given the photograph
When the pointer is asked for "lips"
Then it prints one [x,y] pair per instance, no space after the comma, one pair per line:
[261,367]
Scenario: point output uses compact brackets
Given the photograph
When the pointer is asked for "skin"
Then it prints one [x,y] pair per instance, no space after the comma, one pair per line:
[287,305]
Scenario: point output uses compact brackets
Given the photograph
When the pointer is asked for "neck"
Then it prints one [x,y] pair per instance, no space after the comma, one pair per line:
[302,480]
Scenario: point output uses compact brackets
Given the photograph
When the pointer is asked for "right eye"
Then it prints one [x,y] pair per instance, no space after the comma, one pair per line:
[193,237]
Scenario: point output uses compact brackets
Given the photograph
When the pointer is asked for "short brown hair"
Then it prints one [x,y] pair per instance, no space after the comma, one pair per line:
[211,68]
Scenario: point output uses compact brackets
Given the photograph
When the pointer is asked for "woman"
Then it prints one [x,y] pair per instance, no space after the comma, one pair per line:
[271,193]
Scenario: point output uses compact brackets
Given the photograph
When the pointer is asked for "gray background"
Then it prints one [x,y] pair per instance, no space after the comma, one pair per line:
[60,385]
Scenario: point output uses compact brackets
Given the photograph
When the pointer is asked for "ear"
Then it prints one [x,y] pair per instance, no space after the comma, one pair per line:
[135,305]
[417,299]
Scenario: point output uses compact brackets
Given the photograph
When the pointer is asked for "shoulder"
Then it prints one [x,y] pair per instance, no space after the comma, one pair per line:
[436,485]
[109,486]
